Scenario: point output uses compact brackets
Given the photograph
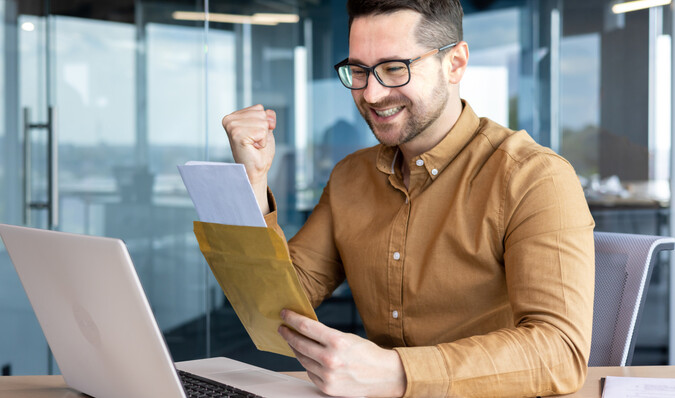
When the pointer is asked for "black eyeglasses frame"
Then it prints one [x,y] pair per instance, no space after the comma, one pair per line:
[371,69]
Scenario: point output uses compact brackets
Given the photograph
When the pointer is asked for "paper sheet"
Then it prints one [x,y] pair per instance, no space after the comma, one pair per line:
[638,387]
[222,193]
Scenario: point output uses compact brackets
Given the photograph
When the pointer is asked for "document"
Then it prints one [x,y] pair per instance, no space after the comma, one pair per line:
[638,387]
[222,193]
[250,261]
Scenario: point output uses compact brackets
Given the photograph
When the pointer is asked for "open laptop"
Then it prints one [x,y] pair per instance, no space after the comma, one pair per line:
[94,313]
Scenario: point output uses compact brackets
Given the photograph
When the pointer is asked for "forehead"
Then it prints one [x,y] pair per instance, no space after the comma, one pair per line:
[376,37]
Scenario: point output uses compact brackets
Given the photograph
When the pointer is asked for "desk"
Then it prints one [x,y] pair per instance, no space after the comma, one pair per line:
[54,386]
[591,388]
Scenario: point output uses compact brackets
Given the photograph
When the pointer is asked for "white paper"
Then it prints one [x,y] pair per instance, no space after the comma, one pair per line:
[638,387]
[222,193]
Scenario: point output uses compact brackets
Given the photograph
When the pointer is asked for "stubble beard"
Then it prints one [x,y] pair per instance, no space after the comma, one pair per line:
[419,119]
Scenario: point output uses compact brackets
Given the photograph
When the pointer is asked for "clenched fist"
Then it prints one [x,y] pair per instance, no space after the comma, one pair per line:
[250,131]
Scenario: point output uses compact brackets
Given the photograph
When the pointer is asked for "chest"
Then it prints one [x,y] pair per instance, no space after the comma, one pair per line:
[452,220]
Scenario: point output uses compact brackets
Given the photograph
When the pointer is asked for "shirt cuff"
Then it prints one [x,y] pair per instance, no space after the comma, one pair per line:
[426,371]
[271,217]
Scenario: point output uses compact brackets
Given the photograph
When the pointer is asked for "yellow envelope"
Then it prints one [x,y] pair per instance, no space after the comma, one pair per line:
[253,268]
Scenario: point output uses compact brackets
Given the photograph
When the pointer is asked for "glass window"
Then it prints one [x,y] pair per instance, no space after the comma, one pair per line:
[3,116]
[491,82]
[580,104]
[141,88]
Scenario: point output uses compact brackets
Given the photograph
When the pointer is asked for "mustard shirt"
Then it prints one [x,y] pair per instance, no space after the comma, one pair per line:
[480,275]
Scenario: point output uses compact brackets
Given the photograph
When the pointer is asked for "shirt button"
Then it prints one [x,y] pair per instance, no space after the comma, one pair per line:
[395,314]
[434,172]
[419,162]
[397,256]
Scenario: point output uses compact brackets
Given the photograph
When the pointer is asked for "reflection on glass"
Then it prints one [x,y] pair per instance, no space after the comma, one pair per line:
[660,145]
[94,92]
[580,102]
[221,91]
[491,82]
[127,118]
[23,349]
[3,116]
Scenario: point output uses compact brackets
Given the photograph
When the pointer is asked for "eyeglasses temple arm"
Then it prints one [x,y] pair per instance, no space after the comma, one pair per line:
[432,52]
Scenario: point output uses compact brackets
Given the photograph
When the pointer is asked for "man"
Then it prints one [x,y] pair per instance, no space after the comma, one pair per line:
[468,247]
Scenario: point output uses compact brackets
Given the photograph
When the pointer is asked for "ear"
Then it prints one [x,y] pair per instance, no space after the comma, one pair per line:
[457,60]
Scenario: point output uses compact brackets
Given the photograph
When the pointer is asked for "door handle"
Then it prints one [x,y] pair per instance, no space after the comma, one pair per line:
[52,202]
[27,167]
[52,169]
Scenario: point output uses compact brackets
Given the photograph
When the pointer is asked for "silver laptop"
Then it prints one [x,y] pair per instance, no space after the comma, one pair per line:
[94,313]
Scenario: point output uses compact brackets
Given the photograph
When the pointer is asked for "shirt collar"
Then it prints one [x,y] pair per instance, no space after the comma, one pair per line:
[440,156]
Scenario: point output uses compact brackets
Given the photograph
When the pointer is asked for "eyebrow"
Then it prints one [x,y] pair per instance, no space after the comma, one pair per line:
[358,61]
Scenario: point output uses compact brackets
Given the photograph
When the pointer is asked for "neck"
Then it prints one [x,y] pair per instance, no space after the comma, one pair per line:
[433,134]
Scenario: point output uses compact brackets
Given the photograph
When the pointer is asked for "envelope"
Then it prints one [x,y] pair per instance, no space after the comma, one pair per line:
[253,268]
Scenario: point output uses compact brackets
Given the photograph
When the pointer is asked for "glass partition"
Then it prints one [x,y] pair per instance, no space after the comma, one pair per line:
[23,349]
[141,86]
[615,101]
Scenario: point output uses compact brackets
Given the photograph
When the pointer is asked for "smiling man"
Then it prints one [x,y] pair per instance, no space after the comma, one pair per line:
[468,247]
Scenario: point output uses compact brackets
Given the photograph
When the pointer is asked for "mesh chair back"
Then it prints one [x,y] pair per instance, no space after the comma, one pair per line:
[623,266]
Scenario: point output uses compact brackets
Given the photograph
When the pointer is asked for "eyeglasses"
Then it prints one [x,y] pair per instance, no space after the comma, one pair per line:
[391,73]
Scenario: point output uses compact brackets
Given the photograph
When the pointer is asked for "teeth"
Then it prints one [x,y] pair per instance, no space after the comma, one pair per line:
[388,112]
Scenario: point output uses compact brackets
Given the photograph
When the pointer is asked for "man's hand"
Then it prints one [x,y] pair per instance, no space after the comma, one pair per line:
[252,142]
[340,363]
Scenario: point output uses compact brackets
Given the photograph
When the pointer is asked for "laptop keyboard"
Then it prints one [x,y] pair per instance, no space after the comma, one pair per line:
[199,387]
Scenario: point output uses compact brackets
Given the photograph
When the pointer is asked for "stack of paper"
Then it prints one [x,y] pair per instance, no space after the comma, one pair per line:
[638,387]
[222,193]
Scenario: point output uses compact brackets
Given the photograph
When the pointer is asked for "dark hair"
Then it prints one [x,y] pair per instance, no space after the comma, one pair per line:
[441,22]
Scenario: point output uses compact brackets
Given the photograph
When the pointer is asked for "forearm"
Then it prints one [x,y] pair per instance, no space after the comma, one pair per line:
[547,349]
[532,360]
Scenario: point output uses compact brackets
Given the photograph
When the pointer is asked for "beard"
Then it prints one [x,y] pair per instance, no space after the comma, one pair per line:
[420,115]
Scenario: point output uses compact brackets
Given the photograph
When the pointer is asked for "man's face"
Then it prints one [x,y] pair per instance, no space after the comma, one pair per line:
[397,115]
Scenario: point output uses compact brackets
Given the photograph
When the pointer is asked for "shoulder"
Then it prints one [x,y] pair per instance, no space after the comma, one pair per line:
[518,167]
[359,161]
[518,149]
[538,190]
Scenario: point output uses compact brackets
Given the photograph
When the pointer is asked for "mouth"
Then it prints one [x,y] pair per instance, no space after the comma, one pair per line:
[385,113]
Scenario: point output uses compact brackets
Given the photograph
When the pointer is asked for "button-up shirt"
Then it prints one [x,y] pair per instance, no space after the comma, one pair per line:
[480,274]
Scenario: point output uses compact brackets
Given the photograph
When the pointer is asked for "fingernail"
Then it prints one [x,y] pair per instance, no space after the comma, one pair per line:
[283,313]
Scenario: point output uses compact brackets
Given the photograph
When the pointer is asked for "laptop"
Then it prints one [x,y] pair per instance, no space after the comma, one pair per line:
[94,313]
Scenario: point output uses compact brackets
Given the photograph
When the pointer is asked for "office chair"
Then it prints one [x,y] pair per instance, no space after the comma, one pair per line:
[623,266]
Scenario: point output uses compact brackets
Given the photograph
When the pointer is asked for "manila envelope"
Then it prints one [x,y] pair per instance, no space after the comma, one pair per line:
[253,268]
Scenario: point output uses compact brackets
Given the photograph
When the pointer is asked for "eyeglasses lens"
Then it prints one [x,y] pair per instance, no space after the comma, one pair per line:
[346,76]
[353,76]
[393,73]
[390,74]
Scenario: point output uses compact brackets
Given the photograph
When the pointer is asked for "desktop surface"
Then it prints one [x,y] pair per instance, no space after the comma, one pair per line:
[55,387]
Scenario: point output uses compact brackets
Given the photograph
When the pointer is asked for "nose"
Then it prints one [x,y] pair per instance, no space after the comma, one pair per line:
[374,91]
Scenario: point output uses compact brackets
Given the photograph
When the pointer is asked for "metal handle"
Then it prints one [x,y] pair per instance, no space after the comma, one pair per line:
[27,162]
[52,169]
[52,202]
